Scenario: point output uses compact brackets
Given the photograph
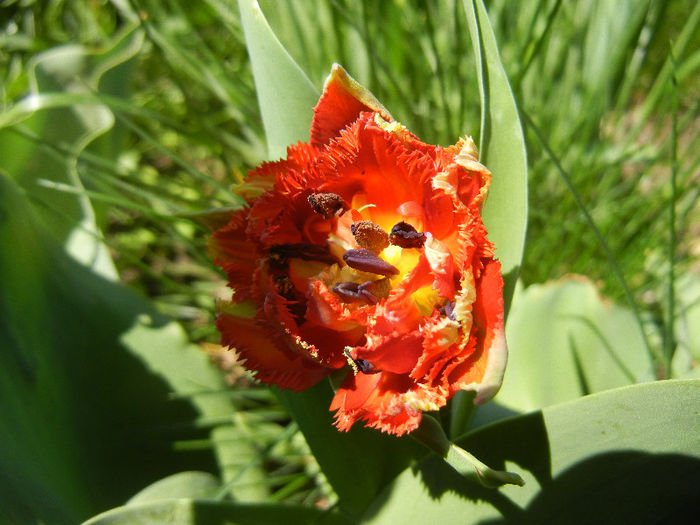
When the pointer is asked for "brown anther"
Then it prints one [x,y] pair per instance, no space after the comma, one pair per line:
[285,287]
[328,205]
[370,236]
[367,261]
[406,236]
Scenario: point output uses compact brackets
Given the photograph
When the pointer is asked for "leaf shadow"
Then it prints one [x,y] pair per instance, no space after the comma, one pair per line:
[618,487]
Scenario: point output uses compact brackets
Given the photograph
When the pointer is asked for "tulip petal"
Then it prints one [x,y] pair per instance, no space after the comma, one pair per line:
[483,371]
[342,101]
[273,362]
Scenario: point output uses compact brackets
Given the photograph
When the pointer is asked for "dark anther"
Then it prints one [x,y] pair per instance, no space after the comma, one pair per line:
[347,291]
[406,236]
[327,204]
[448,309]
[362,365]
[350,291]
[285,287]
[367,261]
[303,250]
[370,236]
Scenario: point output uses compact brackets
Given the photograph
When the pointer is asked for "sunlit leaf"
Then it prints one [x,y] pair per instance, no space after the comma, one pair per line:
[502,149]
[567,341]
[191,484]
[285,94]
[202,512]
[630,455]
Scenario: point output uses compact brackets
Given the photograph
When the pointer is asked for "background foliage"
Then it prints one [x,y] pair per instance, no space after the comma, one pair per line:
[123,119]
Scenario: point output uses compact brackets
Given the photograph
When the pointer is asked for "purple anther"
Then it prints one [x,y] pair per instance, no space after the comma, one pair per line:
[347,291]
[367,261]
[448,310]
[350,291]
[406,236]
[367,296]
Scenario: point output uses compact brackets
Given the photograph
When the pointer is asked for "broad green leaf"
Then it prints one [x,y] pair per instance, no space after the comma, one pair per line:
[359,463]
[630,455]
[502,149]
[565,341]
[191,485]
[202,512]
[687,326]
[285,94]
[87,372]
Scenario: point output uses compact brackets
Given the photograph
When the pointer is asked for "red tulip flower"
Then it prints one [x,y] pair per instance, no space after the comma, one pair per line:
[365,250]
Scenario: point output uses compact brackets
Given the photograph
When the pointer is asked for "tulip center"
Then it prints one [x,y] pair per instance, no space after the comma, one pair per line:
[374,259]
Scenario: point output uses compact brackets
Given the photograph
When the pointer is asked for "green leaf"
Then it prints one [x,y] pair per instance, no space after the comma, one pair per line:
[630,455]
[285,94]
[502,149]
[687,326]
[87,372]
[192,485]
[200,512]
[565,341]
[346,458]
[431,434]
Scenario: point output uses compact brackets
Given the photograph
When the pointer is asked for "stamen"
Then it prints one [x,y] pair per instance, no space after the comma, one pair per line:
[306,251]
[361,365]
[448,309]
[285,287]
[367,261]
[328,205]
[349,291]
[363,208]
[406,236]
[370,236]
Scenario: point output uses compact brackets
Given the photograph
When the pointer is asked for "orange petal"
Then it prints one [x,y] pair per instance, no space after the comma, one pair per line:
[483,371]
[376,399]
[274,363]
[397,353]
[342,101]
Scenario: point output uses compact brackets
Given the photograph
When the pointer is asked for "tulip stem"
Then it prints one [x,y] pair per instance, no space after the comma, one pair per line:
[431,434]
